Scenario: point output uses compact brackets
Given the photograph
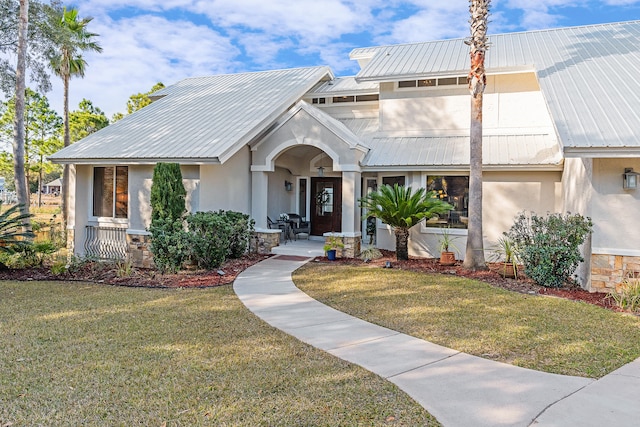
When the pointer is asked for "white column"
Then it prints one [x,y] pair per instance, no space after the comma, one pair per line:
[259,197]
[351,190]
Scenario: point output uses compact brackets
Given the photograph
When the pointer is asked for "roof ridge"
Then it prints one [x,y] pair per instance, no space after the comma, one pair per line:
[541,30]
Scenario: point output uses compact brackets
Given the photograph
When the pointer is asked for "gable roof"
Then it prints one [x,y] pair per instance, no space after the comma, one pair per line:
[588,76]
[198,120]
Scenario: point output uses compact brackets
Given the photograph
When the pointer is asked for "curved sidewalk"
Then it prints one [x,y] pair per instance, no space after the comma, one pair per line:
[457,388]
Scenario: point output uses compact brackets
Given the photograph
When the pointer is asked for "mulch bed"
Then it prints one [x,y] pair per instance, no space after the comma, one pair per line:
[138,277]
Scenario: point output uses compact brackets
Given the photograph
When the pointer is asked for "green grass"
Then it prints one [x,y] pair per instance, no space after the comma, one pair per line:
[80,354]
[547,334]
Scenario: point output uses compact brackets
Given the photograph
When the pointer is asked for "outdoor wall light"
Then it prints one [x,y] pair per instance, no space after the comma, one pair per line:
[630,179]
[321,171]
[287,185]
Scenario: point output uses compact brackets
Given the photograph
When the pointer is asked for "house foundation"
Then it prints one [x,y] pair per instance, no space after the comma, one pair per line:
[352,244]
[609,271]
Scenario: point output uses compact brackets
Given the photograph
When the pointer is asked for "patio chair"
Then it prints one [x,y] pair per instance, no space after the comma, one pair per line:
[299,226]
[283,226]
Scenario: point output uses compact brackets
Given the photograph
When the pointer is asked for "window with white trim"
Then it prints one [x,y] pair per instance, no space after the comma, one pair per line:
[111,191]
[455,191]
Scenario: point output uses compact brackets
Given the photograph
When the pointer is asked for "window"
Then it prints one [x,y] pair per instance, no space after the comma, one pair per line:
[318,101]
[338,99]
[111,191]
[448,81]
[407,83]
[455,191]
[391,180]
[426,83]
[363,98]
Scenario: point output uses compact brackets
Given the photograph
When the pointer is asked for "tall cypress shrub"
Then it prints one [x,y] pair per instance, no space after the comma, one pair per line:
[170,243]
[167,193]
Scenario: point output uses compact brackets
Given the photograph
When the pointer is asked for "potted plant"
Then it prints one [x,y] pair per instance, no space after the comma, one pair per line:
[447,257]
[505,252]
[332,244]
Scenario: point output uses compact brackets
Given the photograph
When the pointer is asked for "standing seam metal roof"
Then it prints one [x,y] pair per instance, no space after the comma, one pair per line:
[588,76]
[198,119]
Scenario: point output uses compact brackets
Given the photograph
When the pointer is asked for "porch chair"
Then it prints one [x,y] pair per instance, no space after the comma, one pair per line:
[283,227]
[299,226]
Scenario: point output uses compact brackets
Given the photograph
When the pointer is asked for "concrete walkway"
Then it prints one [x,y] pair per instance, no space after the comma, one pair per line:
[457,388]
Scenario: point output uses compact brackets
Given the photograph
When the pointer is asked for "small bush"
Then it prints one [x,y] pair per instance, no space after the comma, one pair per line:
[210,235]
[549,246]
[171,245]
[241,232]
[629,296]
[369,253]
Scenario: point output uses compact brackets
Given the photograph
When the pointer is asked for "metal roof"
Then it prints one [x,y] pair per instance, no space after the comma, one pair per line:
[197,120]
[452,152]
[588,76]
[362,126]
[344,85]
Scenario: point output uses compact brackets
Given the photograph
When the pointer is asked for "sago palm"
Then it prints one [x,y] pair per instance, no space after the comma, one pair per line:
[402,209]
[12,231]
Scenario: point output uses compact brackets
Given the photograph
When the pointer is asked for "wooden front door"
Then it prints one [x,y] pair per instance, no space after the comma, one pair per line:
[326,205]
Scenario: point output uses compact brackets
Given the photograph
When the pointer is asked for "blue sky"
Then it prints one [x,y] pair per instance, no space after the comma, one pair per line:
[169,40]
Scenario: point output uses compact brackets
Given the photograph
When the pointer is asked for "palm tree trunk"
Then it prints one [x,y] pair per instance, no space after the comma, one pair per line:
[402,243]
[67,142]
[18,128]
[474,254]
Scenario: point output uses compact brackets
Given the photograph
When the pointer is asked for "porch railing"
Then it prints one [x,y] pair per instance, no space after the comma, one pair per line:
[105,242]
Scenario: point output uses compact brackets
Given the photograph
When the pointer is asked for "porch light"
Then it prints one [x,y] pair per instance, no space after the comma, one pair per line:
[630,179]
[287,185]
[321,171]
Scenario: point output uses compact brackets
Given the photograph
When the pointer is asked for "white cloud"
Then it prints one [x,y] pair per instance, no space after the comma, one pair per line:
[140,51]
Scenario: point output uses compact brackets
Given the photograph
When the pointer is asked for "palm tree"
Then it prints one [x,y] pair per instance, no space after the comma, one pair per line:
[71,38]
[474,254]
[402,209]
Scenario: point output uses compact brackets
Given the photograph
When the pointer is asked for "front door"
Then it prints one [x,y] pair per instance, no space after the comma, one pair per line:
[326,205]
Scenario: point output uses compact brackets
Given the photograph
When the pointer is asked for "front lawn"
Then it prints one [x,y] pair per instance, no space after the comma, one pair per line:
[85,354]
[543,333]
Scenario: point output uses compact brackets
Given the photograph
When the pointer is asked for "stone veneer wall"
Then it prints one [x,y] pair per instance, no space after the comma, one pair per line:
[608,271]
[264,241]
[351,248]
[139,253]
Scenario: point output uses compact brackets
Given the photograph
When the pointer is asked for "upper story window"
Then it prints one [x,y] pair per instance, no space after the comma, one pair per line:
[111,191]
[319,101]
[338,99]
[442,81]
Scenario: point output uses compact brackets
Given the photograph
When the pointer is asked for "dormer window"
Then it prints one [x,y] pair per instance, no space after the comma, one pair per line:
[442,81]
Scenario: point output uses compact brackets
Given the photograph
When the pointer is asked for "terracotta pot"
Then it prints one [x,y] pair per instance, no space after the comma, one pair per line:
[507,269]
[447,258]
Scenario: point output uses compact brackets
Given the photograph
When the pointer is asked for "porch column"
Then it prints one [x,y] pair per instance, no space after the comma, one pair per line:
[351,190]
[259,197]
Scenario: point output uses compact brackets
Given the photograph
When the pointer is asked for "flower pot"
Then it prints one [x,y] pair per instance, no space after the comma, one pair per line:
[507,269]
[447,258]
[331,254]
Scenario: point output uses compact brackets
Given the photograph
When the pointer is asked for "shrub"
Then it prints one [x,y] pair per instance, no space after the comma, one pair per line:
[549,246]
[210,235]
[171,245]
[241,232]
[167,193]
[629,296]
[369,253]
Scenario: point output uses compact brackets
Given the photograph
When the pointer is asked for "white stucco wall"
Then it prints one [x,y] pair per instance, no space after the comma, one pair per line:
[447,109]
[227,186]
[614,211]
[81,205]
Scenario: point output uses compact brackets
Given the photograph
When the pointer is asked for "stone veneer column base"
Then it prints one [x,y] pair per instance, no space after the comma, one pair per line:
[608,271]
[351,245]
[138,250]
[264,241]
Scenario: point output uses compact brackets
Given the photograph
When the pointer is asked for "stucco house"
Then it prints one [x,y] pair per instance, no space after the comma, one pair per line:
[561,126]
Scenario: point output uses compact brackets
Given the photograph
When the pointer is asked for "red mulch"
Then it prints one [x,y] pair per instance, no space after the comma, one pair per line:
[98,272]
[151,278]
